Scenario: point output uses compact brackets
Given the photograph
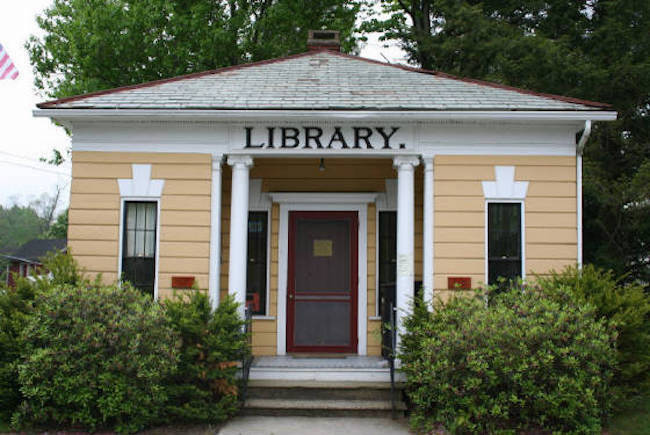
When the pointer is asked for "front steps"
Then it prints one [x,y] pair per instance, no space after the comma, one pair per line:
[346,386]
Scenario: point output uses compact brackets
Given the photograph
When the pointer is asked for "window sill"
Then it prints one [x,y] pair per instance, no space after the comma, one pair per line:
[374,318]
[260,317]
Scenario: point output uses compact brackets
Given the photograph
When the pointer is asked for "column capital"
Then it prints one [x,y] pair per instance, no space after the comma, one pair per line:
[217,159]
[406,162]
[428,163]
[240,161]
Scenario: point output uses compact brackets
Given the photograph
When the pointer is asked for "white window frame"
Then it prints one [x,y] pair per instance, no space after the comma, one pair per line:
[123,202]
[523,233]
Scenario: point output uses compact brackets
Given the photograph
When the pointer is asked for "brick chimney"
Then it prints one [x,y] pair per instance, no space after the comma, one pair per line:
[324,40]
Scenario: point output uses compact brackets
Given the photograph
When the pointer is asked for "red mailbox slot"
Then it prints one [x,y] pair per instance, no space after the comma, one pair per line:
[459,282]
[182,281]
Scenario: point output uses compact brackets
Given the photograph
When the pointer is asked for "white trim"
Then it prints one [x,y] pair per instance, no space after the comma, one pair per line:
[140,185]
[323,202]
[322,198]
[214,274]
[427,232]
[121,238]
[208,114]
[523,233]
[505,186]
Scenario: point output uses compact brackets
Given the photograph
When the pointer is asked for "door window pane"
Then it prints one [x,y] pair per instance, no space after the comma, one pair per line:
[139,246]
[256,271]
[504,241]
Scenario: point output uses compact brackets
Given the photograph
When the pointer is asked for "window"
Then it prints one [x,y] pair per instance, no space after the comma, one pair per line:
[504,241]
[139,245]
[256,268]
[387,260]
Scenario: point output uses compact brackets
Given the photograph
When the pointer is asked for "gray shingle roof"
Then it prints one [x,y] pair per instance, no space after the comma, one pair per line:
[36,249]
[321,80]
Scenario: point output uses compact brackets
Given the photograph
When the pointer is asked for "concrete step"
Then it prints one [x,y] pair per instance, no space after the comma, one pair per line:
[323,393]
[298,407]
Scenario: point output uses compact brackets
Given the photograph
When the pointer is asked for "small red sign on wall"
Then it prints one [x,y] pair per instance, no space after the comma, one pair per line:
[459,282]
[182,281]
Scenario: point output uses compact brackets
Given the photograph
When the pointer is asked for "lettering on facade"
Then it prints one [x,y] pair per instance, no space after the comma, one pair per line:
[311,137]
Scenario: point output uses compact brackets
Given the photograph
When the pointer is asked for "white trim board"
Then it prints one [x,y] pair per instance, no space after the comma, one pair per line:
[323,202]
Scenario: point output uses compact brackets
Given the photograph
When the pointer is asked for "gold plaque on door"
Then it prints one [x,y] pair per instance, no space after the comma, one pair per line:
[322,248]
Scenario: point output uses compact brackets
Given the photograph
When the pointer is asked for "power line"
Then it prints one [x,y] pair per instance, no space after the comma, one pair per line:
[35,168]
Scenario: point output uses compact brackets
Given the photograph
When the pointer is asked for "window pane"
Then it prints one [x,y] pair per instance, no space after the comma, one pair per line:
[504,241]
[256,270]
[138,258]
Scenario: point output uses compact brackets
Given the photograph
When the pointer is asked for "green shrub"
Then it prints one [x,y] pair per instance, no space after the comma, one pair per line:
[526,362]
[627,307]
[95,358]
[204,388]
[15,306]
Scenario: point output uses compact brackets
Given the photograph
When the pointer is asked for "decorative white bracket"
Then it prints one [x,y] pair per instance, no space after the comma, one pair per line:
[141,185]
[505,186]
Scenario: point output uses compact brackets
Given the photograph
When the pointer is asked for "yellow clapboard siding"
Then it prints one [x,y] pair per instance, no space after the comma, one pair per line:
[97,263]
[80,185]
[459,219]
[185,217]
[458,234]
[551,235]
[101,170]
[93,232]
[547,265]
[263,351]
[460,172]
[185,249]
[187,187]
[459,266]
[554,189]
[459,203]
[551,251]
[186,202]
[93,217]
[121,157]
[264,339]
[94,201]
[263,326]
[182,172]
[93,247]
[184,234]
[546,220]
[179,265]
[458,188]
[543,173]
[459,250]
[540,204]
[470,160]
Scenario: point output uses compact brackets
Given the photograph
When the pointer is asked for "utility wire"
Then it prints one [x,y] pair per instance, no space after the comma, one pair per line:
[35,168]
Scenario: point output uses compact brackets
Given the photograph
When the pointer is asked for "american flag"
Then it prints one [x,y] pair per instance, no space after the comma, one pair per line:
[7,68]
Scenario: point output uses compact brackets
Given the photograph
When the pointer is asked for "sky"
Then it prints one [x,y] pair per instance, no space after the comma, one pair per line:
[24,139]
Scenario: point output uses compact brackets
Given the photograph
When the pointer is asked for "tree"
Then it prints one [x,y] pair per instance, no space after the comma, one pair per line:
[596,50]
[18,225]
[90,45]
[59,229]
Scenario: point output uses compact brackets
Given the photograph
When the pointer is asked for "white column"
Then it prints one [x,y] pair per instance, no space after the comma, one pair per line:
[238,228]
[427,233]
[215,232]
[405,238]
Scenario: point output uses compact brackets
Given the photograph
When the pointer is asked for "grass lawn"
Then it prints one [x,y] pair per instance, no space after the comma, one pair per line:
[635,419]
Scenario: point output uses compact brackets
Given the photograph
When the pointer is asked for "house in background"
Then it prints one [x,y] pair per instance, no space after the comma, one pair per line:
[27,259]
[322,187]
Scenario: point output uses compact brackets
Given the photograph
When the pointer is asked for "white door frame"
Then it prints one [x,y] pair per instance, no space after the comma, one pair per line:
[310,201]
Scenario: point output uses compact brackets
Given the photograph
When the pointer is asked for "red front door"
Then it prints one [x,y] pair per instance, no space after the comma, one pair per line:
[322,282]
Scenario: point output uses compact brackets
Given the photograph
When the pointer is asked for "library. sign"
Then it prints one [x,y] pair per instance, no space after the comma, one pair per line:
[324,138]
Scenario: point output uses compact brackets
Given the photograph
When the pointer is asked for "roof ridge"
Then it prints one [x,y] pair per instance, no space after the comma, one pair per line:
[48,104]
[478,81]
